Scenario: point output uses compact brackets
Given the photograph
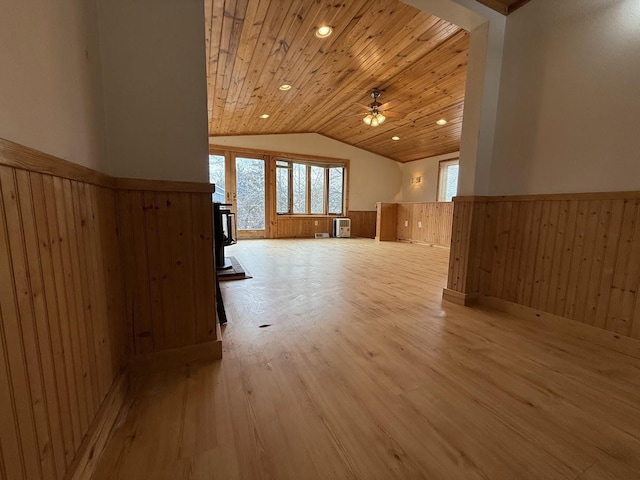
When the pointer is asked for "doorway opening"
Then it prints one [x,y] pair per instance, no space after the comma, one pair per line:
[241,182]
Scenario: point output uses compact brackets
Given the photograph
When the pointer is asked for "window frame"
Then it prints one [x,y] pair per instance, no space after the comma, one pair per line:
[327,166]
[442,166]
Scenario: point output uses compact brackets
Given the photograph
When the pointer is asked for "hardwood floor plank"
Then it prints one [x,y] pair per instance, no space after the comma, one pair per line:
[341,361]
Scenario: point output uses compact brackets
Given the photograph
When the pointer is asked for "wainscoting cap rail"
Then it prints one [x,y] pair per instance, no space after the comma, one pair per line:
[25,158]
[550,197]
[163,185]
[21,157]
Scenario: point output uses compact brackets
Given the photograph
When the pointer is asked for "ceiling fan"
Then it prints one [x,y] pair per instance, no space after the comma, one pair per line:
[378,112]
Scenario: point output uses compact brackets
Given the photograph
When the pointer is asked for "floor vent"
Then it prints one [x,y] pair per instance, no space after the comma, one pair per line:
[322,235]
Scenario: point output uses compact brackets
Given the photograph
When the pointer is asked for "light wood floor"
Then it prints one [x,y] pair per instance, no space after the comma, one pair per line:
[364,373]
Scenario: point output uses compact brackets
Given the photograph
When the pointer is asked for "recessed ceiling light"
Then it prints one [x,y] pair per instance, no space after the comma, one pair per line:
[442,121]
[324,31]
[264,115]
[395,138]
[284,87]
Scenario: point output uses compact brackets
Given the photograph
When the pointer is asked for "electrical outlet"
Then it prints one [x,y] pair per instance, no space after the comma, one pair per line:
[316,223]
[419,224]
[406,223]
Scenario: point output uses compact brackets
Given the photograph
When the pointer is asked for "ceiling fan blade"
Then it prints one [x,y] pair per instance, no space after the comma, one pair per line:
[389,104]
[361,115]
[363,106]
[395,114]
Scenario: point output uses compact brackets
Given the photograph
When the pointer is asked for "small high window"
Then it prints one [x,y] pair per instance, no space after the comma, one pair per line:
[448,180]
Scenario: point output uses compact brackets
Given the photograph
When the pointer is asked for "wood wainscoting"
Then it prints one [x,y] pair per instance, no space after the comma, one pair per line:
[301,226]
[61,313]
[575,256]
[167,250]
[363,223]
[425,222]
[64,337]
[429,223]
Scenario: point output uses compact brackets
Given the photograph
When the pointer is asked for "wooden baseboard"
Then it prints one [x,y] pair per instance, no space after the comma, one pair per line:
[464,299]
[94,443]
[426,244]
[175,357]
[619,343]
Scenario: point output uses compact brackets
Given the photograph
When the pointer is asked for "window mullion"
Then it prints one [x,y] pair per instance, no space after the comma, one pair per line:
[326,191]
[290,170]
[308,199]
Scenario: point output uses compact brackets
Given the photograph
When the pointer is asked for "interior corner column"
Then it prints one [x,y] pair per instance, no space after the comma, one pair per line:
[469,251]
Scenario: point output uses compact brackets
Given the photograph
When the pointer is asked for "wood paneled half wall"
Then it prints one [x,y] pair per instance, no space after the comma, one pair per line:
[428,223]
[570,256]
[363,223]
[167,245]
[94,272]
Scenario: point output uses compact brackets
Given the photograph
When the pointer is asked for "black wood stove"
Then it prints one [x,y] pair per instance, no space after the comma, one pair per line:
[224,230]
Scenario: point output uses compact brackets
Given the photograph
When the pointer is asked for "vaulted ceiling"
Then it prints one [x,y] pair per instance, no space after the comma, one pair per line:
[418,60]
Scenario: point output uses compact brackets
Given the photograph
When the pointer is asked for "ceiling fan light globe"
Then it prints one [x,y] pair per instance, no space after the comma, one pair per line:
[375,122]
[381,118]
[367,120]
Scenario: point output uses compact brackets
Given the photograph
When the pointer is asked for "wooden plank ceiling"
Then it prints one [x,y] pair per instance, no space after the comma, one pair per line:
[418,60]
[504,6]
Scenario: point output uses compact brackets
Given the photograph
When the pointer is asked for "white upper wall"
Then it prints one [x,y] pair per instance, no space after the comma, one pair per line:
[428,169]
[569,111]
[372,178]
[155,88]
[487,29]
[50,80]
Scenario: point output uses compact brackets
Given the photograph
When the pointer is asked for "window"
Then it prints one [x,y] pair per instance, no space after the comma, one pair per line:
[309,188]
[283,189]
[448,180]
[336,190]
[318,187]
[299,188]
[250,193]
[216,176]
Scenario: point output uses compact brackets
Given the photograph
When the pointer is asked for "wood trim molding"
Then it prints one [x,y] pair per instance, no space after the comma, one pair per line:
[306,216]
[176,357]
[221,149]
[95,442]
[588,333]
[25,158]
[422,203]
[549,197]
[517,4]
[163,185]
[459,298]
